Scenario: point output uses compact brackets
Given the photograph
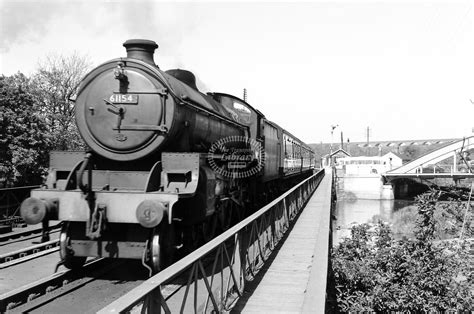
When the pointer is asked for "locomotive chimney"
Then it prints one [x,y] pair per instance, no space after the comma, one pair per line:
[141,49]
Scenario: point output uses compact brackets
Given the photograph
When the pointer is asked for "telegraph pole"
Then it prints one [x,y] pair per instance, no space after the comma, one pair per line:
[332,140]
[332,132]
[245,94]
[368,135]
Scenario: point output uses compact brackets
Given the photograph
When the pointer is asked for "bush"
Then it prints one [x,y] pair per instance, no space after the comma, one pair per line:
[375,272]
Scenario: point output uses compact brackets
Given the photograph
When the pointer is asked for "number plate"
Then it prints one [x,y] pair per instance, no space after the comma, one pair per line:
[124,99]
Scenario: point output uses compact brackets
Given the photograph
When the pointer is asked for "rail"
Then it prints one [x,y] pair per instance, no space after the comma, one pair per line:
[28,234]
[62,281]
[217,272]
[29,253]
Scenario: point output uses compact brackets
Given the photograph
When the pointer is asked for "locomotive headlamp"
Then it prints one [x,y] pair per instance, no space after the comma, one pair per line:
[34,210]
[150,213]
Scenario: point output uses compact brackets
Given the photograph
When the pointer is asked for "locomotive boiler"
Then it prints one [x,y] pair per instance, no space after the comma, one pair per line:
[167,166]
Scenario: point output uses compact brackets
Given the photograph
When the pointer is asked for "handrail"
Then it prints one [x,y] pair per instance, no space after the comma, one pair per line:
[10,200]
[250,242]
[29,187]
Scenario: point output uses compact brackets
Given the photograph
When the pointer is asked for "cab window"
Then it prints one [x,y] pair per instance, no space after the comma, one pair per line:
[238,111]
[242,112]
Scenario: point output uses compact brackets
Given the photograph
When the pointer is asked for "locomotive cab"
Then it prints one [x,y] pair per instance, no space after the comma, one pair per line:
[241,112]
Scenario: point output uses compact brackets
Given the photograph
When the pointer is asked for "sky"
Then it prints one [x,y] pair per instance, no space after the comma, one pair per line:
[403,69]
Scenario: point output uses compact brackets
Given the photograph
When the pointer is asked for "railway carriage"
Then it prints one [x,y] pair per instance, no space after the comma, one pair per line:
[168,167]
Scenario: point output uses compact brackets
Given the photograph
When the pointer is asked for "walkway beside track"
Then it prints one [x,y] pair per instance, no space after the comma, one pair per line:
[295,282]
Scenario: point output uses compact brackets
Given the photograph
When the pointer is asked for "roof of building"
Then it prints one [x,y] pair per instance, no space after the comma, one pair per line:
[340,150]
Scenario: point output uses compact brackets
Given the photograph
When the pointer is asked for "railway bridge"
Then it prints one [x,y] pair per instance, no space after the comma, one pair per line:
[276,260]
[256,266]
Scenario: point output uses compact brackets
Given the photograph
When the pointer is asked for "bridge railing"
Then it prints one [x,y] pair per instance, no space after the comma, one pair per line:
[10,201]
[213,277]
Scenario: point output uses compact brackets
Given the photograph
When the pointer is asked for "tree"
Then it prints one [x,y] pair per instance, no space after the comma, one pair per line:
[24,139]
[411,151]
[56,82]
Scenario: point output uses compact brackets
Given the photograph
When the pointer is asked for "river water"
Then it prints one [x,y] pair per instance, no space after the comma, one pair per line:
[350,212]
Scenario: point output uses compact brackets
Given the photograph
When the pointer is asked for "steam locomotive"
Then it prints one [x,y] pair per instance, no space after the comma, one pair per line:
[168,166]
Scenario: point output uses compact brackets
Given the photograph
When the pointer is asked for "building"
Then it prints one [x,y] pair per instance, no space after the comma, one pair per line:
[333,158]
[368,165]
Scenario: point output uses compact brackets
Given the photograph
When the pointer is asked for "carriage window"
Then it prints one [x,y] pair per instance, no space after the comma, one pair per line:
[289,148]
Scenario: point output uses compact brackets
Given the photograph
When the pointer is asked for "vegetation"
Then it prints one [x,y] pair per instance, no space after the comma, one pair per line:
[24,140]
[37,116]
[375,272]
[56,82]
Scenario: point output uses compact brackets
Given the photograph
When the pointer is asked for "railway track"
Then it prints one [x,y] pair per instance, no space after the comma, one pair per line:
[26,235]
[28,296]
[99,282]
[26,254]
[16,248]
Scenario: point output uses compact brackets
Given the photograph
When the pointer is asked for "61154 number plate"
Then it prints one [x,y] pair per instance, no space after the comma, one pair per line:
[124,99]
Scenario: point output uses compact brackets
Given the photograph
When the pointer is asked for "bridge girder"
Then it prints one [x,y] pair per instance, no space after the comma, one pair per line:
[451,150]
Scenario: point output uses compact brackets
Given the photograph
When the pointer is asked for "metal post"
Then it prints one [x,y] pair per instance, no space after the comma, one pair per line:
[455,162]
